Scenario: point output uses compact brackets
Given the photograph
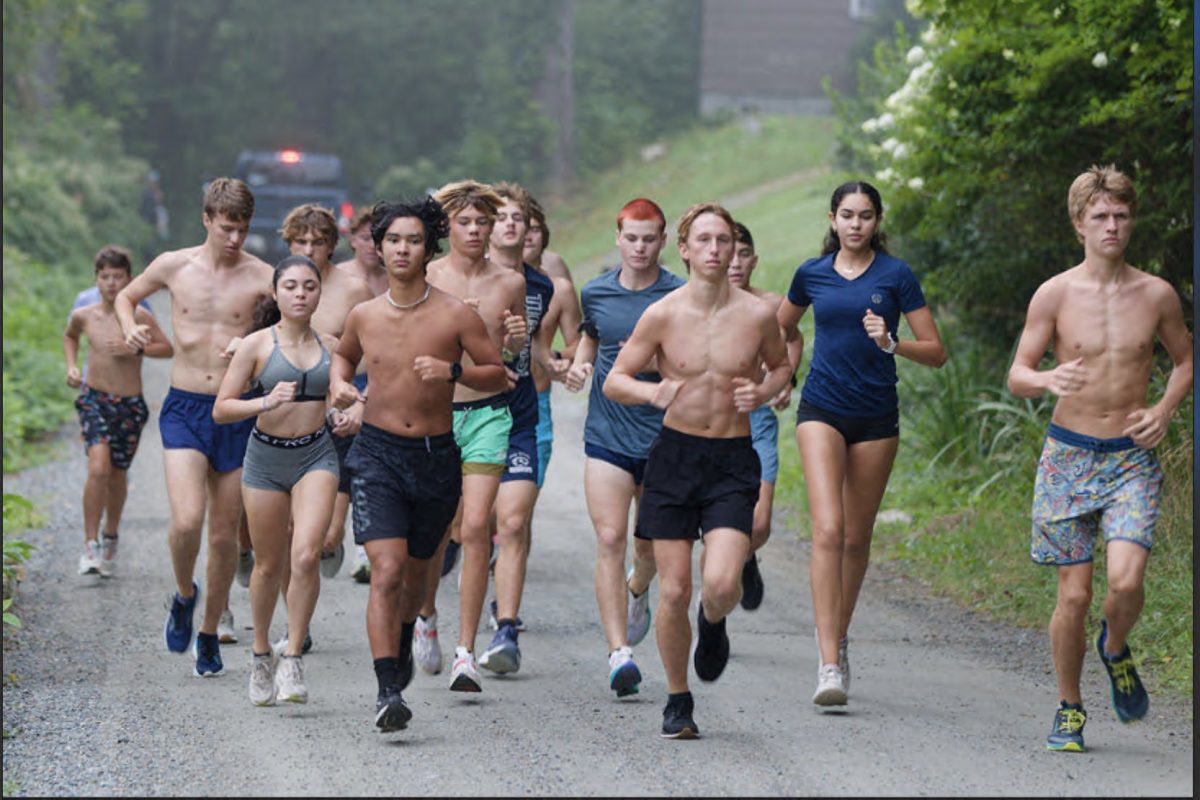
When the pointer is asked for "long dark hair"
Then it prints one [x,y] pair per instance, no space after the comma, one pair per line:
[266,312]
[878,239]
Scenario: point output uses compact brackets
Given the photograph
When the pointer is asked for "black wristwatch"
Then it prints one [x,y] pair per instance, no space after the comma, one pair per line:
[455,371]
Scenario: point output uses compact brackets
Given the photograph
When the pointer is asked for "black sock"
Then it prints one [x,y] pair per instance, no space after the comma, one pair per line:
[678,697]
[500,623]
[406,634]
[387,672]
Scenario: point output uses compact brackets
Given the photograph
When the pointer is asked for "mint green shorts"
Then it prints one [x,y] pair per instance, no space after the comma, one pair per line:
[481,429]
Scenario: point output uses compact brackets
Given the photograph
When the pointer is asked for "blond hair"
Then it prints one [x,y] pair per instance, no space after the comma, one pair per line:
[693,213]
[456,196]
[516,193]
[1098,182]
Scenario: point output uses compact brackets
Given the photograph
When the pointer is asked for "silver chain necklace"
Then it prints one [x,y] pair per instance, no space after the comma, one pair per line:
[402,306]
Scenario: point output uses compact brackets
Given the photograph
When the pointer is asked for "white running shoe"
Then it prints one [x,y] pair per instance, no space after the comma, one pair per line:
[108,556]
[245,567]
[844,661]
[624,676]
[89,559]
[360,568]
[463,675]
[262,678]
[289,680]
[427,651]
[831,688]
[637,622]
[226,633]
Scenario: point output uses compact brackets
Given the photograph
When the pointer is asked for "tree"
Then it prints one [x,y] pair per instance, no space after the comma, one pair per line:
[976,129]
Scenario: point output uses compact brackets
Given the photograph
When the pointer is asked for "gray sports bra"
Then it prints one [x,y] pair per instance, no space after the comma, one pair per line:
[311,384]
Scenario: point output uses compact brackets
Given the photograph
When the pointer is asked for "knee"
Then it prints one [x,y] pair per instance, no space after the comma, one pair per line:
[268,571]
[610,542]
[857,545]
[387,574]
[510,531]
[827,537]
[1074,601]
[674,594]
[723,592]
[305,560]
[1123,585]
[99,468]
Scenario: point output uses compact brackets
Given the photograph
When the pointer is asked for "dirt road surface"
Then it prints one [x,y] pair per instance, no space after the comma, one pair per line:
[942,702]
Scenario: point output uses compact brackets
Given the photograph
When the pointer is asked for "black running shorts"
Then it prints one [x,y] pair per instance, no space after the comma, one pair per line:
[694,485]
[404,488]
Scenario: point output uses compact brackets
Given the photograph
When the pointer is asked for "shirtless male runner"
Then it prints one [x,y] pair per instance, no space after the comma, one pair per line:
[366,266]
[312,231]
[764,426]
[112,411]
[518,483]
[482,420]
[617,438]
[1098,472]
[714,343]
[405,466]
[214,288]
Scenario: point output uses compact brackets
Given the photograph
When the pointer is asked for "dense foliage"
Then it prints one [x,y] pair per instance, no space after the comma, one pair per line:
[975,128]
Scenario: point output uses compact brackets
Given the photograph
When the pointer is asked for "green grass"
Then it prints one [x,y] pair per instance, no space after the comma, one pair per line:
[968,449]
[706,163]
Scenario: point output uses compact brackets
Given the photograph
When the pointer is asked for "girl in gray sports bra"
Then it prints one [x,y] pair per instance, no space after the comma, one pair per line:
[295,447]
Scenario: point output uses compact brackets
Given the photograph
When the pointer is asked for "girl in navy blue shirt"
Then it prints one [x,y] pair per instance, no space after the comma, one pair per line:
[847,424]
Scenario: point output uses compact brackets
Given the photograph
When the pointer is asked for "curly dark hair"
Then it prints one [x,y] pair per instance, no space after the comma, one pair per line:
[429,211]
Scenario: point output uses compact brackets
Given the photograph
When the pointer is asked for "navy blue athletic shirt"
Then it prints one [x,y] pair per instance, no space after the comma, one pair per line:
[523,400]
[849,374]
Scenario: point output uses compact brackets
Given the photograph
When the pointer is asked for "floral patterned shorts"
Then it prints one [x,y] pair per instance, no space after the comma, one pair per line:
[113,420]
[1085,485]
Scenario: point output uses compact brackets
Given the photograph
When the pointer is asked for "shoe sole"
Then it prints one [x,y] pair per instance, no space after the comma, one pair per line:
[390,719]
[501,662]
[686,733]
[831,697]
[300,699]
[1069,747]
[464,684]
[626,680]
[213,674]
[264,703]
[227,638]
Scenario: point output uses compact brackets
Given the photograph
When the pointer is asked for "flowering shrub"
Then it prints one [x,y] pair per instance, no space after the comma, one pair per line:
[974,130]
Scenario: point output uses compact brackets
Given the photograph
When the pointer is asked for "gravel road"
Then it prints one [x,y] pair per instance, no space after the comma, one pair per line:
[943,702]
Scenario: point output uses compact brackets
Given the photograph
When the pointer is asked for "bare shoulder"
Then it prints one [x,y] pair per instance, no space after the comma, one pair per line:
[1050,293]
[554,265]
[436,266]
[253,263]
[166,265]
[328,341]
[561,284]
[751,305]
[445,302]
[772,299]
[1157,289]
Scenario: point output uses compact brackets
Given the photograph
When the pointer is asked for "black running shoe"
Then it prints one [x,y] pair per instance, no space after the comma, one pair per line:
[306,645]
[450,557]
[677,719]
[712,648]
[752,584]
[391,713]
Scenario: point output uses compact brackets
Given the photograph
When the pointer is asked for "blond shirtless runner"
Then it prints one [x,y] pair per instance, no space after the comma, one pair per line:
[214,288]
[482,420]
[712,342]
[1097,471]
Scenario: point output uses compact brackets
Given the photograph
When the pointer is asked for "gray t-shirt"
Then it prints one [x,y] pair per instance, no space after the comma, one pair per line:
[615,311]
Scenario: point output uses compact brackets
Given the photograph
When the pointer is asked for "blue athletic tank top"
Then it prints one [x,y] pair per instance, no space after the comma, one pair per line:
[311,384]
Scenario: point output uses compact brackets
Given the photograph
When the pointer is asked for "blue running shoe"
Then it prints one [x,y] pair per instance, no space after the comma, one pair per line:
[1129,697]
[1067,733]
[207,649]
[503,655]
[624,677]
[178,630]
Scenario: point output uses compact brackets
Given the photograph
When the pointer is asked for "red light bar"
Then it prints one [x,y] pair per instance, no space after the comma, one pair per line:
[347,210]
[289,156]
